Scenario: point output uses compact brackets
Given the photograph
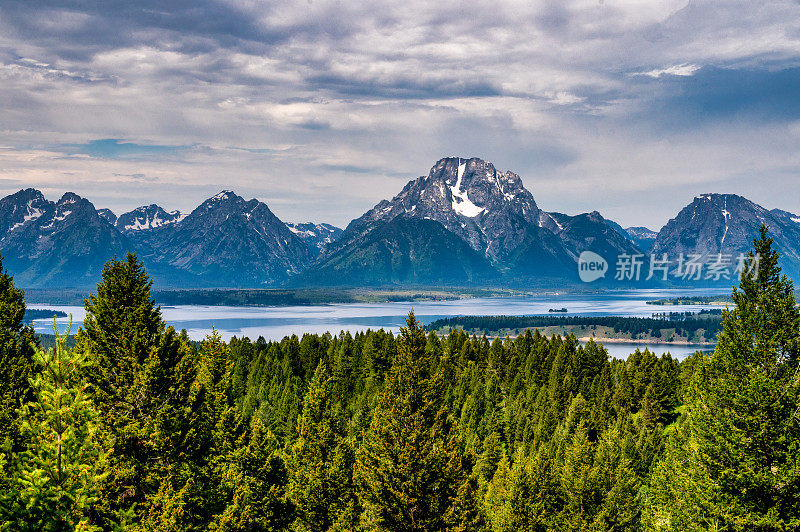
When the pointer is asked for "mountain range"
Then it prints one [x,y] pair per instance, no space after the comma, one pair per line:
[464,223]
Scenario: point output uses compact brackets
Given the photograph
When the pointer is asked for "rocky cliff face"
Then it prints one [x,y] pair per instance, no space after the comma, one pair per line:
[491,210]
[316,236]
[147,217]
[56,244]
[496,216]
[232,242]
[726,223]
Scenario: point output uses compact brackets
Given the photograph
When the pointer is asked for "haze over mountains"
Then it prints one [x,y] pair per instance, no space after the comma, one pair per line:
[465,223]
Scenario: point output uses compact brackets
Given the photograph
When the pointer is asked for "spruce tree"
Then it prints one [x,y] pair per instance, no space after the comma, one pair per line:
[56,481]
[135,372]
[409,466]
[734,463]
[17,348]
[320,462]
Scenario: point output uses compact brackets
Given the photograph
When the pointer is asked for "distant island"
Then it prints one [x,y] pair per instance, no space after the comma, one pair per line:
[721,300]
[38,314]
[694,329]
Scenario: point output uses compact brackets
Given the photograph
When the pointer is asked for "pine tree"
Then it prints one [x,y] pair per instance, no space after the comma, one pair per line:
[17,348]
[190,484]
[135,373]
[321,462]
[256,476]
[734,463]
[616,482]
[409,467]
[56,480]
[576,479]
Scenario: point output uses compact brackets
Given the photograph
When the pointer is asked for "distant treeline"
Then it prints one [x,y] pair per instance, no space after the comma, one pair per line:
[492,325]
[37,314]
[678,316]
[694,300]
[232,297]
[267,297]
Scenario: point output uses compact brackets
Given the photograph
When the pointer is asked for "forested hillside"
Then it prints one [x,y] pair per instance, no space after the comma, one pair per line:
[137,428]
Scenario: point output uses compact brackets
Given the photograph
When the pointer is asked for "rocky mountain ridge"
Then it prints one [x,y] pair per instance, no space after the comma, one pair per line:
[465,222]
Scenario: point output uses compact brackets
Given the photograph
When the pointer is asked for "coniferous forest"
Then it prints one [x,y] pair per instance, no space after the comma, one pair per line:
[139,428]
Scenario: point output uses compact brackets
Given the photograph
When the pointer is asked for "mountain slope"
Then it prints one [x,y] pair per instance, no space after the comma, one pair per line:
[108,215]
[490,210]
[498,217]
[21,208]
[59,244]
[230,242]
[147,217]
[592,232]
[403,250]
[316,236]
[642,237]
[726,223]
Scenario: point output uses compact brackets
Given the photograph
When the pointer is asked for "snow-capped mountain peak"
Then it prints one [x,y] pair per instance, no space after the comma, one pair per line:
[470,197]
[146,218]
[223,195]
[316,236]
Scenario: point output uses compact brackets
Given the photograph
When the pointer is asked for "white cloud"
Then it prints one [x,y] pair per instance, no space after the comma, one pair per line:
[684,69]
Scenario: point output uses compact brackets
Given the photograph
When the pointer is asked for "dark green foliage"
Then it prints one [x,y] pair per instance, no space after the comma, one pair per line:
[409,466]
[733,463]
[686,325]
[17,346]
[321,462]
[137,369]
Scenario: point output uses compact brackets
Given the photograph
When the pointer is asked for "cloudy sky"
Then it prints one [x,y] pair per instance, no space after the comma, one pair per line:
[321,109]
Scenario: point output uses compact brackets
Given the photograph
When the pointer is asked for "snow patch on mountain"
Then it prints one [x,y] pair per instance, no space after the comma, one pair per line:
[148,217]
[463,206]
[62,216]
[726,216]
[32,214]
[225,194]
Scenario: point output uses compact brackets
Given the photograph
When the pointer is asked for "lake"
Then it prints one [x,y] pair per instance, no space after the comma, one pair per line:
[273,323]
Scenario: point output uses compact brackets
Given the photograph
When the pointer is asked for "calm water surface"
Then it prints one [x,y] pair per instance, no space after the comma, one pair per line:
[273,323]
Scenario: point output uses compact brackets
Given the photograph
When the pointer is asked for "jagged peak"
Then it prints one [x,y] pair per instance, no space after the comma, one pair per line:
[716,196]
[221,198]
[145,208]
[640,229]
[68,198]
[223,195]
[29,193]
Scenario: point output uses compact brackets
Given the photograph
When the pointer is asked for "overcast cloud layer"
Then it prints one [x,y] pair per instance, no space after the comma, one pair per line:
[322,109]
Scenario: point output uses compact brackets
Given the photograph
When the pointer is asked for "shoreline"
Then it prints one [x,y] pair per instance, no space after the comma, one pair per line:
[642,341]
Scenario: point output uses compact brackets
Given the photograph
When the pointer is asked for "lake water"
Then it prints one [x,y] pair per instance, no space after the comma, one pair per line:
[273,323]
